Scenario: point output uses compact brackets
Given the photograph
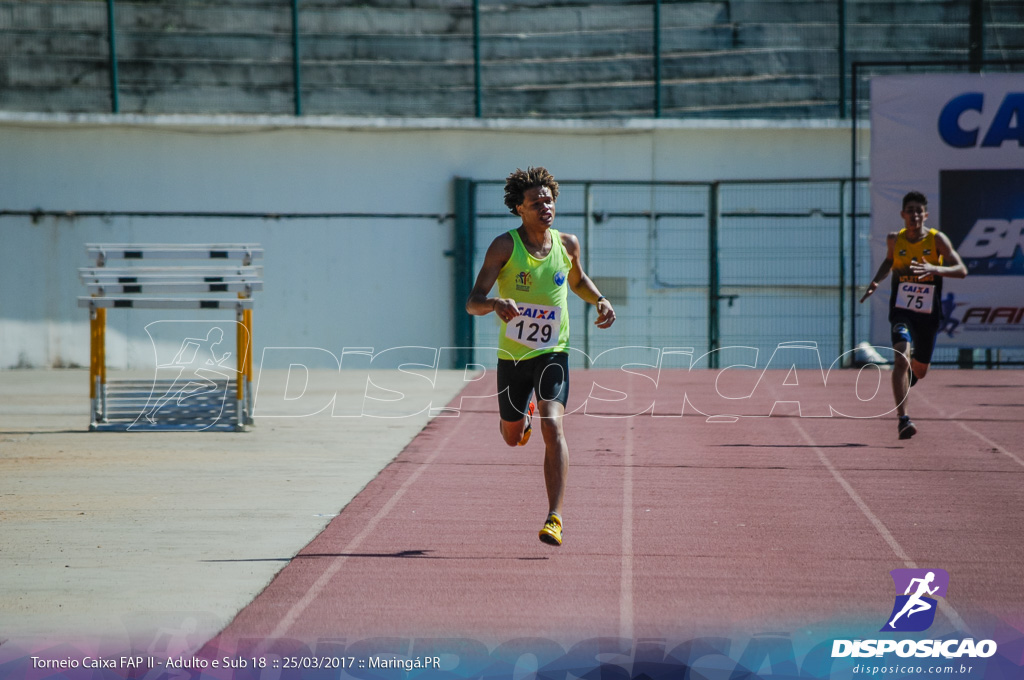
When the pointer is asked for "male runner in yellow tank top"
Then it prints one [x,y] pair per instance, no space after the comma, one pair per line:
[533,265]
[919,258]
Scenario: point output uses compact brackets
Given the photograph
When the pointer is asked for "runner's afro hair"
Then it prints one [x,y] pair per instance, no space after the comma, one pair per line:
[520,181]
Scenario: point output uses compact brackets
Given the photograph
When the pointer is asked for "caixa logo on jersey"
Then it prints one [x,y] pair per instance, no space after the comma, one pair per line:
[983,215]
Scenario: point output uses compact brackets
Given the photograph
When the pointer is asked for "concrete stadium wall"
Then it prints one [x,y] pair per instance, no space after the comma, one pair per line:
[329,283]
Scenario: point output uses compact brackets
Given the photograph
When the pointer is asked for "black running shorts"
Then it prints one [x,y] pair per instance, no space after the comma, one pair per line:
[546,375]
[922,329]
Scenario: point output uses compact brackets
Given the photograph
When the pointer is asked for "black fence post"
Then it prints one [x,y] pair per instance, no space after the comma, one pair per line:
[853,206]
[842,58]
[296,58]
[657,58]
[115,104]
[713,282]
[841,237]
[465,243]
[478,96]
[976,36]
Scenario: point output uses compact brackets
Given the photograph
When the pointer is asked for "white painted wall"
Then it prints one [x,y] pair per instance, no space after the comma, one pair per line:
[328,283]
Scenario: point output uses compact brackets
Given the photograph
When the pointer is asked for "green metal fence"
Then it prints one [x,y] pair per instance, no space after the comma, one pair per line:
[755,265]
[477,58]
[861,73]
[706,265]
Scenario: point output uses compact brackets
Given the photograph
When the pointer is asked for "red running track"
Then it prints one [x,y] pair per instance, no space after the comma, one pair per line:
[676,527]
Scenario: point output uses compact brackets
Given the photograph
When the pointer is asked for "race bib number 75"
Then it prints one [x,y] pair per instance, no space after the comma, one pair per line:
[915,297]
[536,326]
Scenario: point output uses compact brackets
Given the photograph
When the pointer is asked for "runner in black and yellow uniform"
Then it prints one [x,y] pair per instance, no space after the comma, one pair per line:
[919,258]
[534,265]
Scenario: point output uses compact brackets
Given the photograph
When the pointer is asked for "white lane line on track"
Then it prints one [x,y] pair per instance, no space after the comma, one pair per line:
[296,610]
[991,443]
[886,535]
[626,583]
[971,430]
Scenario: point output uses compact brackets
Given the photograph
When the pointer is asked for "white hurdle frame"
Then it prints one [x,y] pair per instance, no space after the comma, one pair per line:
[193,288]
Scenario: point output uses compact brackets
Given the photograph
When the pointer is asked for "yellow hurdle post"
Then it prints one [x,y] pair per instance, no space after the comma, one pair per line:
[240,363]
[248,365]
[94,363]
[101,322]
[248,352]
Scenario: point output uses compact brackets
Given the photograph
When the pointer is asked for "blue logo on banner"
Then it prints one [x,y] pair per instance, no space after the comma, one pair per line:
[983,215]
[1007,125]
[914,609]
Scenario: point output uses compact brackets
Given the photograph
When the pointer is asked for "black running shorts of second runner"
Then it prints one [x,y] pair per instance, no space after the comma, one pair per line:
[922,330]
[546,375]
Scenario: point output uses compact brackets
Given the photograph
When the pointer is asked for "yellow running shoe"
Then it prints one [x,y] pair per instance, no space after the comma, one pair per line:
[529,428]
[552,531]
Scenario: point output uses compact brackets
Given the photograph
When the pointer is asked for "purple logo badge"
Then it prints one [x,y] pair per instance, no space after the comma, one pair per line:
[916,603]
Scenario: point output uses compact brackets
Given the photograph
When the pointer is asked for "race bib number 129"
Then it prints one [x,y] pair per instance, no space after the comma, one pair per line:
[536,326]
[915,297]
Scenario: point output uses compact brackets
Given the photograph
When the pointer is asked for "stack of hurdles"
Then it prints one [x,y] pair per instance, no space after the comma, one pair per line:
[172,403]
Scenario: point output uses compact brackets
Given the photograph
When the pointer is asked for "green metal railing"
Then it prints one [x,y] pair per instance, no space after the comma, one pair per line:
[115,105]
[693,263]
[296,58]
[706,265]
[861,73]
[481,58]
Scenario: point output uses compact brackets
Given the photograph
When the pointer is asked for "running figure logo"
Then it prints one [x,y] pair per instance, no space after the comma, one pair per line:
[197,364]
[192,374]
[914,610]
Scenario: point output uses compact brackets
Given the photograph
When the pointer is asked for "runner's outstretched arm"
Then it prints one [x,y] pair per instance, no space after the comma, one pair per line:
[883,269]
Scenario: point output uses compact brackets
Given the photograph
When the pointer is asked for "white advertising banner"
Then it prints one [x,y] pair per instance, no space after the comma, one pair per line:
[959,139]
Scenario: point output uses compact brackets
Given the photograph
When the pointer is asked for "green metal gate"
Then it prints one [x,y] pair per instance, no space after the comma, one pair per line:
[701,265]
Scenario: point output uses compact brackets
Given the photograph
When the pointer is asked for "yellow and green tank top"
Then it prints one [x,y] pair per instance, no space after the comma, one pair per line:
[919,295]
[540,288]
